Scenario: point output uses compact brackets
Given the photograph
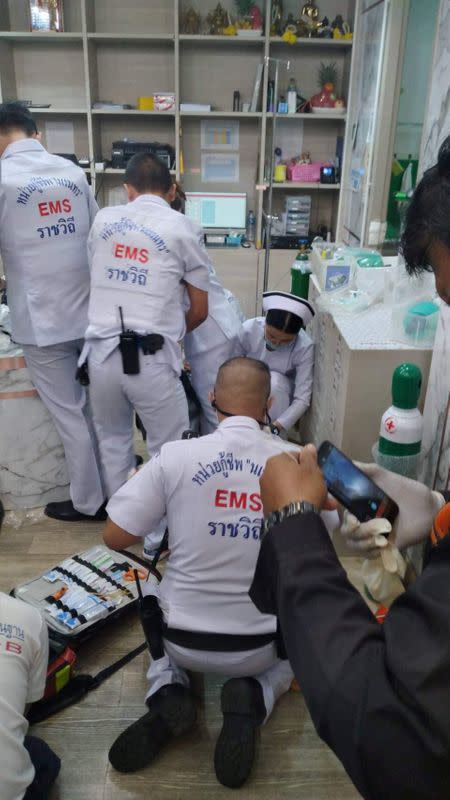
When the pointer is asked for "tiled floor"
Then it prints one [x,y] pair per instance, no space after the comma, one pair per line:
[292,762]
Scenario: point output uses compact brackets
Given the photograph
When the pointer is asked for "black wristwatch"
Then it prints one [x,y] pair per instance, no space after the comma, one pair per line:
[297,507]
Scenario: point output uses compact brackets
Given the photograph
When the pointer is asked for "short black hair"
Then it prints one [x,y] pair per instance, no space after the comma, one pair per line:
[146,173]
[253,363]
[284,321]
[16,116]
[428,214]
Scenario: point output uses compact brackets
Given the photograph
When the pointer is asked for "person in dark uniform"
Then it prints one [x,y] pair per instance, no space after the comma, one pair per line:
[379,696]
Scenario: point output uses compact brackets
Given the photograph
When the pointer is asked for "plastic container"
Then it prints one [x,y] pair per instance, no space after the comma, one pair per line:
[300,272]
[308,173]
[416,323]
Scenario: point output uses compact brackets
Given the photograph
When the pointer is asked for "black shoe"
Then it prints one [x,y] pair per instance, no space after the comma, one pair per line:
[171,713]
[66,512]
[243,712]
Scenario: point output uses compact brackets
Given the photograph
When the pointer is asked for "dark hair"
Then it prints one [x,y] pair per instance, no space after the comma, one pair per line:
[284,321]
[146,173]
[179,201]
[15,116]
[428,214]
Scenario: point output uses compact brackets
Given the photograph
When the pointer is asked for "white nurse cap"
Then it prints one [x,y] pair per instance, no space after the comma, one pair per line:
[283,301]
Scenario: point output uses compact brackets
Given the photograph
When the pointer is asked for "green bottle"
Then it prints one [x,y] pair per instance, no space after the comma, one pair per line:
[300,272]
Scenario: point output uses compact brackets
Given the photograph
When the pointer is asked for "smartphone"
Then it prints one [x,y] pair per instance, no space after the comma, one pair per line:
[352,487]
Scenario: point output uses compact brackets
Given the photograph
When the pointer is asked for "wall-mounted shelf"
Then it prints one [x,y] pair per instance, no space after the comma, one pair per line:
[41,36]
[222,40]
[55,110]
[117,52]
[312,42]
[315,117]
[130,37]
[223,114]
[133,112]
[307,185]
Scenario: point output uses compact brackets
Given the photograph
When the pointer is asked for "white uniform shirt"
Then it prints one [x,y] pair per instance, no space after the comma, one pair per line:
[224,319]
[209,488]
[140,253]
[296,362]
[23,670]
[46,209]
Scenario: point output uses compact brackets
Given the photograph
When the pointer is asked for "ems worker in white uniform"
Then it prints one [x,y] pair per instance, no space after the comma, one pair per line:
[209,488]
[215,340]
[28,766]
[143,255]
[46,209]
[281,342]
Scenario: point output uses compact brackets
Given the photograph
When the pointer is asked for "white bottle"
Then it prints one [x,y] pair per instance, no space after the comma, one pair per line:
[292,97]
[402,424]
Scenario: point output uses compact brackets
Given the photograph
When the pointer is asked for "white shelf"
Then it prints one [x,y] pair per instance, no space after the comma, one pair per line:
[205,39]
[311,42]
[113,171]
[131,37]
[41,36]
[223,114]
[305,185]
[56,110]
[131,112]
[316,117]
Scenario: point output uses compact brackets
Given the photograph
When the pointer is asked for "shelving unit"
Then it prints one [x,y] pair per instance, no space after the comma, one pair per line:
[116,51]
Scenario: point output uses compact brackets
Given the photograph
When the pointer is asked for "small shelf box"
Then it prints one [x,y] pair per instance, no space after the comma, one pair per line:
[307,173]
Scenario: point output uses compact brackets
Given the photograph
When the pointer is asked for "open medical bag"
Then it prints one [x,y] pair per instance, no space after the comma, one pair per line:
[79,597]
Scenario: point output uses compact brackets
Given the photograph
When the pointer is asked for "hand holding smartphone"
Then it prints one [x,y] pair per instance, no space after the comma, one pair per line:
[354,490]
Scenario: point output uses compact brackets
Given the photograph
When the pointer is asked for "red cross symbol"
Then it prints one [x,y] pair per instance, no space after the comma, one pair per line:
[390,425]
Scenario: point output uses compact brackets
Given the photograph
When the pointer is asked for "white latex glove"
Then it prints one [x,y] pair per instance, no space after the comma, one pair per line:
[383,576]
[364,538]
[418,505]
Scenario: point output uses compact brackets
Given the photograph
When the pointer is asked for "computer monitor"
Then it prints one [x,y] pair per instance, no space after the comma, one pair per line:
[218,210]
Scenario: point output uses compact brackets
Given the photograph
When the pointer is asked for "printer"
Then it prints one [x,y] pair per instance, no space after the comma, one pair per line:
[124,149]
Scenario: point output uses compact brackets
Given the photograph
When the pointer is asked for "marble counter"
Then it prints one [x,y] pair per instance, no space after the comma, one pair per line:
[32,465]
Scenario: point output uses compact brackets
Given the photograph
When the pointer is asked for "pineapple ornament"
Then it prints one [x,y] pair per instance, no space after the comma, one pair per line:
[326,98]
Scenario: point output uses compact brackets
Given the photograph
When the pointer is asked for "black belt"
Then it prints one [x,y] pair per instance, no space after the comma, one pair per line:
[150,343]
[220,642]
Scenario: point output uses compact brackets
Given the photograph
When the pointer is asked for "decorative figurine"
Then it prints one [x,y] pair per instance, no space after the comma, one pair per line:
[326,98]
[190,21]
[217,20]
[250,17]
[276,28]
[310,16]
[46,15]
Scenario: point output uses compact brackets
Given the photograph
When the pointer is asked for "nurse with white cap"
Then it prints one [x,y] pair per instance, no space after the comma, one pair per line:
[279,339]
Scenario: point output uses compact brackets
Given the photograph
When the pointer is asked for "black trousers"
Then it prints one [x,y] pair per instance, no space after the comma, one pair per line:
[46,764]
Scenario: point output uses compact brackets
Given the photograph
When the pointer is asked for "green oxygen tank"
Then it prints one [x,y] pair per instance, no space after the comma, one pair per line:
[300,272]
[401,426]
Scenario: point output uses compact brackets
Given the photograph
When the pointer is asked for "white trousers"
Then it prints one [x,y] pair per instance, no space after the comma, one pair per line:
[52,370]
[281,393]
[155,393]
[204,368]
[274,675]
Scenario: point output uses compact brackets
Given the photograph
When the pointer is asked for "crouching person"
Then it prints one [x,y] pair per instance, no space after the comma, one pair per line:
[209,489]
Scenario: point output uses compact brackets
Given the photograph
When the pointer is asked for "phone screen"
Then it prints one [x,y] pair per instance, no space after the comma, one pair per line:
[352,487]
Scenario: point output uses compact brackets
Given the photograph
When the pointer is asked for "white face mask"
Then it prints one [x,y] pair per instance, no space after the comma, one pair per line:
[272,347]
